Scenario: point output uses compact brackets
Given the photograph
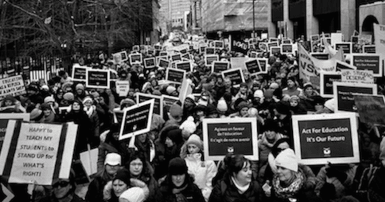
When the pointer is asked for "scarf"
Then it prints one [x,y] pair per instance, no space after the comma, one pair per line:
[241,189]
[90,110]
[291,190]
[179,196]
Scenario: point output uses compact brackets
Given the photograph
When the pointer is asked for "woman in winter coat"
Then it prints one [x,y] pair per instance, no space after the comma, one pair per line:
[145,146]
[141,169]
[289,182]
[179,185]
[48,115]
[90,109]
[237,184]
[203,171]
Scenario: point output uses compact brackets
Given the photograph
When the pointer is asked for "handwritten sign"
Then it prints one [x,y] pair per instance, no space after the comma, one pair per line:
[122,88]
[323,138]
[357,76]
[13,86]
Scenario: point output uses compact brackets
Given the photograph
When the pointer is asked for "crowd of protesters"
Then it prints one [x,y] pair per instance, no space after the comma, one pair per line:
[167,163]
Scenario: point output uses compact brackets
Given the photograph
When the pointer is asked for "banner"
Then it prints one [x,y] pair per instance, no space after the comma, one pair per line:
[141,97]
[357,76]
[253,66]
[235,75]
[37,153]
[219,66]
[343,95]
[97,78]
[13,86]
[175,75]
[136,119]
[323,138]
[122,88]
[379,38]
[79,73]
[368,62]
[371,109]
[224,135]
[149,63]
[326,83]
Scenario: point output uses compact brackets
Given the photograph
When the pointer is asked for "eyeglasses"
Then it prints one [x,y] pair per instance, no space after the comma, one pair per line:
[61,184]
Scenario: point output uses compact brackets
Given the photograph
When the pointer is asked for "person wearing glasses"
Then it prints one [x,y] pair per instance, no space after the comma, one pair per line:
[63,190]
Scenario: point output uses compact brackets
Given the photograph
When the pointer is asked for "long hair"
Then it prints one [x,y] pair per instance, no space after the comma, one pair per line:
[146,170]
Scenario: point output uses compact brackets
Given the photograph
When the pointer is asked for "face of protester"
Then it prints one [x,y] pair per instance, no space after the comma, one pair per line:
[169,142]
[290,84]
[76,106]
[284,174]
[136,167]
[7,103]
[227,83]
[119,187]
[192,148]
[282,146]
[142,137]
[112,169]
[293,103]
[79,91]
[88,104]
[61,188]
[243,90]
[47,112]
[243,111]
[270,135]
[178,180]
[244,175]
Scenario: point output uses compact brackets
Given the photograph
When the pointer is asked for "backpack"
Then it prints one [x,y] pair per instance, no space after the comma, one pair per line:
[364,182]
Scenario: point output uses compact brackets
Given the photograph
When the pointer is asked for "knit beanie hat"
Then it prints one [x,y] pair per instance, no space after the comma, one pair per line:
[49,99]
[287,159]
[87,99]
[274,85]
[135,194]
[177,166]
[176,111]
[282,108]
[258,94]
[170,89]
[382,150]
[69,96]
[189,125]
[79,87]
[203,101]
[113,159]
[222,106]
[123,175]
[196,140]
[242,105]
[330,104]
[129,102]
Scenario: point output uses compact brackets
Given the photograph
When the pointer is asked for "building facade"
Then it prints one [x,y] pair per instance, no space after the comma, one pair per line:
[174,14]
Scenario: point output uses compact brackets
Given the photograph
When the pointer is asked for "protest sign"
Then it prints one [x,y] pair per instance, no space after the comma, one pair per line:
[209,59]
[97,78]
[158,58]
[202,49]
[286,41]
[286,49]
[238,62]
[176,57]
[253,66]
[175,75]
[13,86]
[263,64]
[326,83]
[4,119]
[369,49]
[209,51]
[167,102]
[314,43]
[164,63]
[89,161]
[219,66]
[371,109]
[224,135]
[134,58]
[163,53]
[37,153]
[336,38]
[79,73]
[122,88]
[185,65]
[183,51]
[357,76]
[275,50]
[235,75]
[323,138]
[185,90]
[253,54]
[343,95]
[136,119]
[346,47]
[149,63]
[219,44]
[120,57]
[186,56]
[136,48]
[141,97]
[368,61]
[320,56]
[343,65]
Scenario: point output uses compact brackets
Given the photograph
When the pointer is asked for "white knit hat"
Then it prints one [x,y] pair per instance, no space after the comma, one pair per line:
[135,194]
[170,89]
[49,99]
[287,159]
[330,104]
[258,93]
[113,159]
[86,99]
[188,125]
[196,140]
[222,106]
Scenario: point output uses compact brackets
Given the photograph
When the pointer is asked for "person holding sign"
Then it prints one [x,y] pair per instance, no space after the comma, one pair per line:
[237,183]
[203,171]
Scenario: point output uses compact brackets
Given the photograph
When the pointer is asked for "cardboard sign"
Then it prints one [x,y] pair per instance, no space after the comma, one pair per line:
[371,109]
[176,57]
[219,44]
[122,88]
[286,49]
[323,138]
[369,49]
[149,63]
[13,86]
[343,95]
[79,73]
[346,47]
[164,63]
[37,153]
[141,97]
[321,56]
[357,76]
[209,59]
[175,75]
[4,119]
[253,66]
[89,161]
[97,78]
[235,75]
[326,83]
[343,65]
[136,120]
[224,135]
[275,50]
[219,66]
[186,65]
[368,62]
[263,64]
[135,58]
